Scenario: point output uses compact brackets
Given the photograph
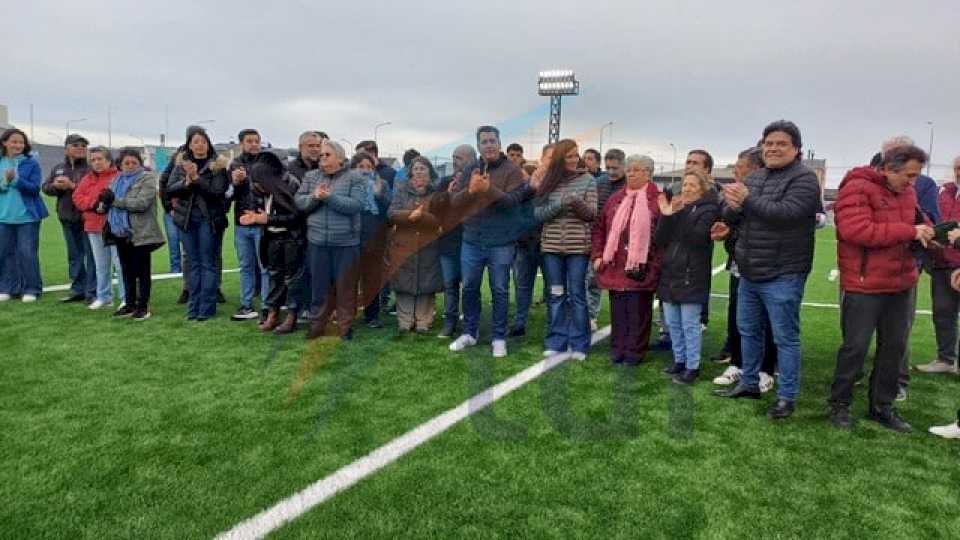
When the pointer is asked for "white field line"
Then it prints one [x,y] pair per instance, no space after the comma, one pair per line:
[299,503]
[315,494]
[154,277]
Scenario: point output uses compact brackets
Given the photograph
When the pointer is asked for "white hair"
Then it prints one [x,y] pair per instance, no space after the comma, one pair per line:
[645,162]
[895,142]
[337,150]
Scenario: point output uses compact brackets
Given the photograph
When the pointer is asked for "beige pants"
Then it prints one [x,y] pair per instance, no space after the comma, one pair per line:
[415,311]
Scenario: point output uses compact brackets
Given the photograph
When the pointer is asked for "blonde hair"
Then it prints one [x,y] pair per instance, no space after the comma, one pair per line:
[702,180]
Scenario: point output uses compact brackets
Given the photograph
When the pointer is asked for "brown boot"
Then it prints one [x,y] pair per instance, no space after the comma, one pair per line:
[317,328]
[289,324]
[270,322]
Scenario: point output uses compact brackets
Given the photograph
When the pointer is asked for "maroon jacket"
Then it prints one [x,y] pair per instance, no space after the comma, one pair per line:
[875,226]
[949,257]
[612,276]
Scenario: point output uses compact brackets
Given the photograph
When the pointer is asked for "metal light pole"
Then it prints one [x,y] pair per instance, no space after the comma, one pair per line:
[674,170]
[76,121]
[109,127]
[556,84]
[603,127]
[377,127]
[930,150]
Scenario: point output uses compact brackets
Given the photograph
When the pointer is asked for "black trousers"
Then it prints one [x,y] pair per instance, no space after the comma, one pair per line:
[282,254]
[769,365]
[861,315]
[631,315]
[135,266]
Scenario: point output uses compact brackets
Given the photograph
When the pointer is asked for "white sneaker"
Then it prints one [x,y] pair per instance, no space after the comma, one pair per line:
[499,348]
[951,431]
[578,356]
[549,352]
[730,376]
[462,342]
[593,325]
[937,366]
[96,304]
[766,383]
[28,298]
[5,297]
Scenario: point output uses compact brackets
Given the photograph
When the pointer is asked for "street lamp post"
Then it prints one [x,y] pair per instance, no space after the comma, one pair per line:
[603,127]
[377,127]
[556,84]
[76,121]
[930,149]
[674,170]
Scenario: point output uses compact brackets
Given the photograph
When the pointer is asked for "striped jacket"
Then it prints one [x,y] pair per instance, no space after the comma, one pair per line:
[567,230]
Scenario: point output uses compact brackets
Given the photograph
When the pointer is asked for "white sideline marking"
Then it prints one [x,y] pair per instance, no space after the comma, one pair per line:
[315,494]
[154,277]
[298,504]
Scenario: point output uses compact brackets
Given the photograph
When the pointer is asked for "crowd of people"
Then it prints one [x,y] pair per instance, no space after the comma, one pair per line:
[320,235]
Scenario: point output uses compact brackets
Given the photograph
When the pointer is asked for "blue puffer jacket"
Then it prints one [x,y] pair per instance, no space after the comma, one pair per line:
[28,183]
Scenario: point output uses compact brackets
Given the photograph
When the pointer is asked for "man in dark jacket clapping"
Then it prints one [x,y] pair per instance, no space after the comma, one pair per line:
[777,207]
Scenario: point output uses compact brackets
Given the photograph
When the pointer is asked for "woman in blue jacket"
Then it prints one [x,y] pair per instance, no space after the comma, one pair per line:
[21,211]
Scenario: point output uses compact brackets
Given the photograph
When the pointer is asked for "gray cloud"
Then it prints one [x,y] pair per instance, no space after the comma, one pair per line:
[696,74]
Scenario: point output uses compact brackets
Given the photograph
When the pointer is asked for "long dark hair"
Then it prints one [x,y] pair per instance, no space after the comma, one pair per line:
[211,151]
[557,169]
[10,133]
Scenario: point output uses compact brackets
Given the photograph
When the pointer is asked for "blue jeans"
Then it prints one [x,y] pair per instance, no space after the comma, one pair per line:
[247,242]
[781,298]
[525,266]
[20,248]
[330,272]
[568,319]
[450,266]
[683,321]
[199,242]
[594,298]
[82,267]
[173,242]
[106,260]
[497,260]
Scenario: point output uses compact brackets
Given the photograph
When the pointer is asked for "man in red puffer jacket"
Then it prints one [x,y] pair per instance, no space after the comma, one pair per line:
[877,222]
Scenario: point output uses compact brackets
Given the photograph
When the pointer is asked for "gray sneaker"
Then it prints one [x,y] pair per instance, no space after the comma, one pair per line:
[937,366]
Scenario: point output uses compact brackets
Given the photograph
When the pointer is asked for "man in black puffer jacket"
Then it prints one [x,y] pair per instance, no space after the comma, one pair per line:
[777,208]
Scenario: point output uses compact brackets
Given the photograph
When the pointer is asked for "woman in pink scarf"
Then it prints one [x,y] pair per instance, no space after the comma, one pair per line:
[626,260]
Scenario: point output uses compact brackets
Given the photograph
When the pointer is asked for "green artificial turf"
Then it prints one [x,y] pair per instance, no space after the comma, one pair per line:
[175,429]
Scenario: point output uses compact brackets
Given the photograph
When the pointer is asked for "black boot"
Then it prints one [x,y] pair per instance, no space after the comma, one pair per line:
[840,416]
[740,391]
[781,409]
[184,297]
[889,418]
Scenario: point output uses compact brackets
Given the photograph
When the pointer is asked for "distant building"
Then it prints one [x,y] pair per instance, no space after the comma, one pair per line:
[725,174]
[4,118]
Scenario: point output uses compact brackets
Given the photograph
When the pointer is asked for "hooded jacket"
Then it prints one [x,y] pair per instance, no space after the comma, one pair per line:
[86,194]
[875,227]
[205,195]
[75,171]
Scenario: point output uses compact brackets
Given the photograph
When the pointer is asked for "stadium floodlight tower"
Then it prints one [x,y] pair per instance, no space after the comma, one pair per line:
[556,84]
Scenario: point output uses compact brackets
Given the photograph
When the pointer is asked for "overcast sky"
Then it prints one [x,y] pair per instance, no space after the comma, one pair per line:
[697,74]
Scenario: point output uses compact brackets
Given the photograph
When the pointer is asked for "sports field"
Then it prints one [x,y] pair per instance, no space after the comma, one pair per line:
[175,429]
